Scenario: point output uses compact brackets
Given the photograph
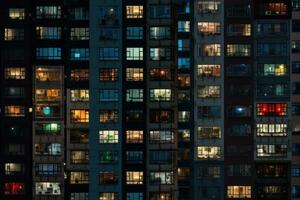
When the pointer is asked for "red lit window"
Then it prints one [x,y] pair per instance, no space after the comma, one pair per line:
[271,109]
[14,188]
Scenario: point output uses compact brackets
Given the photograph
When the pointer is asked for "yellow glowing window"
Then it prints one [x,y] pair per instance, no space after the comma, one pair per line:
[17,13]
[134,74]
[46,74]
[134,11]
[14,73]
[80,116]
[134,177]
[79,177]
[208,152]
[79,95]
[239,192]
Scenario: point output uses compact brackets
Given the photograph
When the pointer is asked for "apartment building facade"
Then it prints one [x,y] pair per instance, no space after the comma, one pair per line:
[156,99]
[44,99]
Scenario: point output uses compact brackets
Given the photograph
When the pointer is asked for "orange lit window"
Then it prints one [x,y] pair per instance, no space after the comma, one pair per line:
[14,188]
[271,109]
[80,116]
[134,136]
[275,9]
[109,74]
[14,111]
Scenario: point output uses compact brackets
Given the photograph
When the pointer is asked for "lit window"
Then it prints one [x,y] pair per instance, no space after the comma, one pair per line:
[161,178]
[108,116]
[239,30]
[208,91]
[239,192]
[272,150]
[209,70]
[52,149]
[108,136]
[238,49]
[275,9]
[271,109]
[48,12]
[184,116]
[273,69]
[15,73]
[79,157]
[134,177]
[109,74]
[13,34]
[209,28]
[134,74]
[208,152]
[160,74]
[47,94]
[271,130]
[213,132]
[47,128]
[183,45]
[79,177]
[79,95]
[14,169]
[14,111]
[108,178]
[160,53]
[14,188]
[79,116]
[48,33]
[210,50]
[47,188]
[79,75]
[161,95]
[46,74]
[134,53]
[108,196]
[161,136]
[184,26]
[134,136]
[184,135]
[160,33]
[17,13]
[79,34]
[134,95]
[134,12]
[209,6]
